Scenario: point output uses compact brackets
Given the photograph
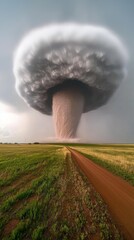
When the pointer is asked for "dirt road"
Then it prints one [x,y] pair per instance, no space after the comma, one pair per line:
[117,193]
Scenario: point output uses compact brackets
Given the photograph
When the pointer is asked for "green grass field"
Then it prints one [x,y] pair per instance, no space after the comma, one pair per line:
[44,196]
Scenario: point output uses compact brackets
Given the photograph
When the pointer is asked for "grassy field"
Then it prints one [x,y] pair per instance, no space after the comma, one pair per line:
[119,159]
[44,196]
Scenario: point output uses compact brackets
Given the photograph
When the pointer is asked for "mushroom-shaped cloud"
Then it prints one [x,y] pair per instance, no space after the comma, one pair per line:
[68,69]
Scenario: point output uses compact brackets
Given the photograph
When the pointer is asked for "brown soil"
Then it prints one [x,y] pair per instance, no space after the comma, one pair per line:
[10,226]
[116,192]
[80,207]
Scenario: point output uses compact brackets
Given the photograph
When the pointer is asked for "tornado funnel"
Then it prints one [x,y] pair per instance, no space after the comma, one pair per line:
[68,105]
[68,69]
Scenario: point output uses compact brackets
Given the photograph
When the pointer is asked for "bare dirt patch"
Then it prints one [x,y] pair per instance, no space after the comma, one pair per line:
[10,226]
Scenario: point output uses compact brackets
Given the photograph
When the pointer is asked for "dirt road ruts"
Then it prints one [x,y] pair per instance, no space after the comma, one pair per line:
[117,193]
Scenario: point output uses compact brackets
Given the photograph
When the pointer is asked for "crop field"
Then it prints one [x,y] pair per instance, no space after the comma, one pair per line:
[44,196]
[119,159]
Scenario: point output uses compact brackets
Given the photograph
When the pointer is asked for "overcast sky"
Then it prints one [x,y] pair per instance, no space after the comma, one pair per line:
[18,123]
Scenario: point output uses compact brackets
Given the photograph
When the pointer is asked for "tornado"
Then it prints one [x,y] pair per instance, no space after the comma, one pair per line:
[67,108]
[65,70]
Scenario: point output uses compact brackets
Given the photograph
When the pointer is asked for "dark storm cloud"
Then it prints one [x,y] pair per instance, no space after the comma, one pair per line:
[56,54]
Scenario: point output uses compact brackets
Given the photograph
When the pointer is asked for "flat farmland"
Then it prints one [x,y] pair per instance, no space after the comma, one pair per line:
[44,195]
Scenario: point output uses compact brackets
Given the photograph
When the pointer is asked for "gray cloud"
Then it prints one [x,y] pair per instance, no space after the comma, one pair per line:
[55,54]
[17,18]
